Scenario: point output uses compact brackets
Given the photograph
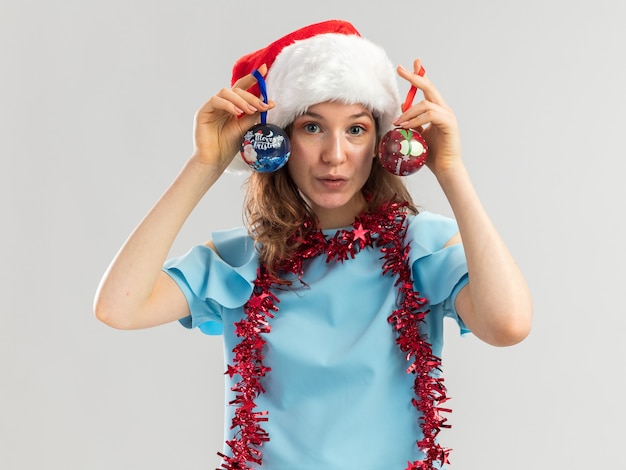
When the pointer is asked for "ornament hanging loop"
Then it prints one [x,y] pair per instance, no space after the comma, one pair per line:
[263,89]
[410,96]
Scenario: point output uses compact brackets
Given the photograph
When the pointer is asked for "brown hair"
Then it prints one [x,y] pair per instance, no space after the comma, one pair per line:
[275,211]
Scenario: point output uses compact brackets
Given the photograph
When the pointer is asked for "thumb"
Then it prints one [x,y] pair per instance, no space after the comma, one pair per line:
[246,121]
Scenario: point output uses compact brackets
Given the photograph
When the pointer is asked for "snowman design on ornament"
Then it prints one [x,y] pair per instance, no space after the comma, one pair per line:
[402,151]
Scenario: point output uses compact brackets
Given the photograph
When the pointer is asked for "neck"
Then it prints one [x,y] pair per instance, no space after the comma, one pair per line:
[340,217]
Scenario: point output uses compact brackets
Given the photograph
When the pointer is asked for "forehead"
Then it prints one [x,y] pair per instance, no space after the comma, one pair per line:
[335,109]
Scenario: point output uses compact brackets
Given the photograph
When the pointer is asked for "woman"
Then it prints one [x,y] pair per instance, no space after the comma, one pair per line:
[336,288]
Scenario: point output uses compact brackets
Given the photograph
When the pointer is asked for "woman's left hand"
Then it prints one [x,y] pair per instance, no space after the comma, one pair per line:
[496,304]
[434,119]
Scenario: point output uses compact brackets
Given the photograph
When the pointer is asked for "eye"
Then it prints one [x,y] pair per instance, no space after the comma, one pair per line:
[311,128]
[356,130]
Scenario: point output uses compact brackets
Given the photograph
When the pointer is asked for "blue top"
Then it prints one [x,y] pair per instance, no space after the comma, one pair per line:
[338,394]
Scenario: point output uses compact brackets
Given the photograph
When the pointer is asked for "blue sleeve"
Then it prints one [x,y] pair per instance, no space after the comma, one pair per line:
[438,273]
[212,282]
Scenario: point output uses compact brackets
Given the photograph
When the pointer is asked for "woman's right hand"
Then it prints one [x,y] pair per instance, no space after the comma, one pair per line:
[222,121]
[134,291]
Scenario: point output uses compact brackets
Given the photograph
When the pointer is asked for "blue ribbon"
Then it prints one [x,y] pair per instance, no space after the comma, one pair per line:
[263,89]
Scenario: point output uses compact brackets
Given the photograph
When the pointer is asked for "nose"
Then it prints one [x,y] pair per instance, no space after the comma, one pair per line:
[334,151]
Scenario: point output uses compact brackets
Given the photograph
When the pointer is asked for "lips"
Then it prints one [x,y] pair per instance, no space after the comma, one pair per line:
[330,177]
[332,181]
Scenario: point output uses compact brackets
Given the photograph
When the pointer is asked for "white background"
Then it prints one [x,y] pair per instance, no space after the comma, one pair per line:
[96,109]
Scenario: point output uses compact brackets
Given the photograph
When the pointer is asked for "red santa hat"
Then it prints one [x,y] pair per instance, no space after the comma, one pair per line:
[328,61]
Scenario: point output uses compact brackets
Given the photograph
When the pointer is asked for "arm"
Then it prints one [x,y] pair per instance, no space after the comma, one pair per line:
[496,304]
[134,292]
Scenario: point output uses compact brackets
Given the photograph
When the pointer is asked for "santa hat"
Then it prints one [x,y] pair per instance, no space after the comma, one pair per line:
[328,61]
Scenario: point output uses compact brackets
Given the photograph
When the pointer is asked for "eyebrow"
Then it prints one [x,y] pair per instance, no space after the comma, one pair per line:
[353,116]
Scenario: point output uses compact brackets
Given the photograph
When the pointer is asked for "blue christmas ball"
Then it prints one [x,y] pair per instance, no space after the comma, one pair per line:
[265,147]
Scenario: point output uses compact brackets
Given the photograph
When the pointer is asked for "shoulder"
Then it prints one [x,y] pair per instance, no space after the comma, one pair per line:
[438,260]
[221,271]
[430,231]
[234,246]
[230,252]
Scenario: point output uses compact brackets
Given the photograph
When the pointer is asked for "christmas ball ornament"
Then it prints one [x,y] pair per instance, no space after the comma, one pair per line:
[402,151]
[265,147]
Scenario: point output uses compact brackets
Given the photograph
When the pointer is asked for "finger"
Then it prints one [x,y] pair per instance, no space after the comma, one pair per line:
[423,115]
[423,83]
[248,81]
[254,102]
[245,122]
[417,67]
[414,111]
[420,122]
[221,102]
[240,100]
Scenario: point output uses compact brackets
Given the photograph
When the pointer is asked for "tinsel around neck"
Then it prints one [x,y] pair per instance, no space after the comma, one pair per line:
[385,230]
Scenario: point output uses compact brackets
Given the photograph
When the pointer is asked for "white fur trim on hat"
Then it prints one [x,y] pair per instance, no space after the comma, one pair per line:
[333,67]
